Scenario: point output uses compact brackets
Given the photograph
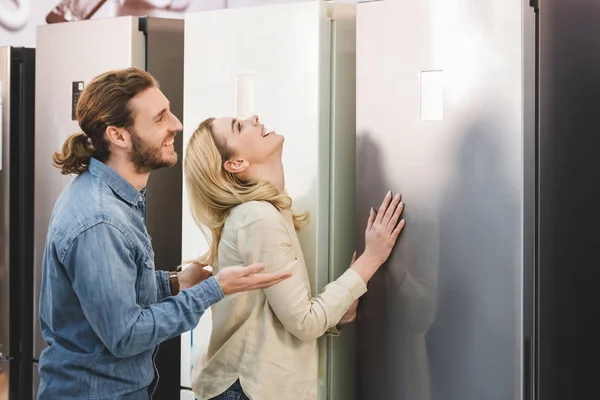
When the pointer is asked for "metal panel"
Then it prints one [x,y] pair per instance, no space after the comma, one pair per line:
[36,380]
[569,96]
[5,219]
[67,53]
[529,195]
[22,149]
[17,67]
[451,328]
[164,60]
[342,350]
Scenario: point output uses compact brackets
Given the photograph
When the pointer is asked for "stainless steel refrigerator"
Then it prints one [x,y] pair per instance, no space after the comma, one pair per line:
[483,114]
[17,88]
[68,56]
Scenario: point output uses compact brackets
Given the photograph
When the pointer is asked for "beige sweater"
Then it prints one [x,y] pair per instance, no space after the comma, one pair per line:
[268,338]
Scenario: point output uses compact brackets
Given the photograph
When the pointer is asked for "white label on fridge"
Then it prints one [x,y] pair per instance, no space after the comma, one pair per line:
[432,95]
[244,95]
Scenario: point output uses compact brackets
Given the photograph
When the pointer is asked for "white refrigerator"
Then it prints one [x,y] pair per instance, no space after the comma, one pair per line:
[293,65]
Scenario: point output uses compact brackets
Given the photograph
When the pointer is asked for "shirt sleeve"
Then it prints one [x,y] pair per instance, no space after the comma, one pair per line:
[263,237]
[162,285]
[104,279]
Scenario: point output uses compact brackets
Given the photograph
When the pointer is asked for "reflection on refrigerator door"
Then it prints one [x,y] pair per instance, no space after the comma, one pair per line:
[439,119]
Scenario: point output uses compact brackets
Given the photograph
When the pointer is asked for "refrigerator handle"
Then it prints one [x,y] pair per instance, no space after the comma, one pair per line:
[534,4]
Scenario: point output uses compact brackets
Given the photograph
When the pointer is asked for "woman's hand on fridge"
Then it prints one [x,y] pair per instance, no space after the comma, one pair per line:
[383,229]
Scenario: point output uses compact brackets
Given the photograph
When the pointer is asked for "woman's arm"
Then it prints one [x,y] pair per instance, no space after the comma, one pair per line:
[263,235]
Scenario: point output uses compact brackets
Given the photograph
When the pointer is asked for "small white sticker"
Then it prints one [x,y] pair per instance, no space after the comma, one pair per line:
[432,95]
[244,95]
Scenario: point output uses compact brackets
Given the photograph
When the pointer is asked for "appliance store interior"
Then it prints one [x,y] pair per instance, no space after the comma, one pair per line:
[420,176]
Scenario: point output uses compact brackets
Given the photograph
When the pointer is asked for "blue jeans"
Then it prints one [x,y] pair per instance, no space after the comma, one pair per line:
[234,392]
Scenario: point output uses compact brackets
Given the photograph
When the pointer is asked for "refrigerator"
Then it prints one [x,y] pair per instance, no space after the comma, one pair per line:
[69,55]
[17,90]
[294,66]
[483,115]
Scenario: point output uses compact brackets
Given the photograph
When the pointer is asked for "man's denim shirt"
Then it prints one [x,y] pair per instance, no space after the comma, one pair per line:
[103,307]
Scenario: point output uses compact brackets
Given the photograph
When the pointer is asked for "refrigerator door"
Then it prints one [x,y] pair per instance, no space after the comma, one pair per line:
[68,56]
[440,120]
[22,133]
[17,87]
[164,60]
[5,292]
[276,62]
[569,96]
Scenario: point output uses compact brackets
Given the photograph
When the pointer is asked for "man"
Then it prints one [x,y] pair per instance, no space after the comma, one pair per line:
[103,307]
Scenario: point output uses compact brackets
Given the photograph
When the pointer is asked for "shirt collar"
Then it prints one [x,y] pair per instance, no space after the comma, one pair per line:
[116,182]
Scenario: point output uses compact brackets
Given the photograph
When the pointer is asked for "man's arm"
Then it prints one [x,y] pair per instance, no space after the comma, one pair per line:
[103,273]
[190,275]
[162,285]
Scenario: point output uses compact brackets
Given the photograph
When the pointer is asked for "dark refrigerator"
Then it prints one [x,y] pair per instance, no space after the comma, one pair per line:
[17,76]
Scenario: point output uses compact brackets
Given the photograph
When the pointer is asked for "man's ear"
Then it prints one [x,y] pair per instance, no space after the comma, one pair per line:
[117,136]
[236,166]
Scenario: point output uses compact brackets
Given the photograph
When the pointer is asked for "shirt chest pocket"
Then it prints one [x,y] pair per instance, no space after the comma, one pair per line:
[146,290]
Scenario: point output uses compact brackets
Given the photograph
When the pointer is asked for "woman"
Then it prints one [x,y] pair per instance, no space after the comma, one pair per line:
[266,341]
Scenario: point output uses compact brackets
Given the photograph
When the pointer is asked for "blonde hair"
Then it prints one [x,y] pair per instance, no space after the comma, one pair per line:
[214,191]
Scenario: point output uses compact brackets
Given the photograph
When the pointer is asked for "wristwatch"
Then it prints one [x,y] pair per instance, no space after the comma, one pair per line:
[174,283]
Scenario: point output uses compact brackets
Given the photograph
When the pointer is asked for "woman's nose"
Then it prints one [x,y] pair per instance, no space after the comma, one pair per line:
[254,119]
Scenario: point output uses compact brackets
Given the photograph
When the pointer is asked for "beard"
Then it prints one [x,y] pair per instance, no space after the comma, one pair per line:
[147,158]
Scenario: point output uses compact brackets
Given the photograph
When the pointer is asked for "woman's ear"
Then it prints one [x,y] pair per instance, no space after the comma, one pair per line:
[236,166]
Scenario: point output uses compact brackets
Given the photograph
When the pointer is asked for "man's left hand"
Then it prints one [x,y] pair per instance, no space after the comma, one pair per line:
[191,275]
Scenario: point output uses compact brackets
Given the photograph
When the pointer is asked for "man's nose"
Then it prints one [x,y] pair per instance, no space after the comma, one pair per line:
[177,126]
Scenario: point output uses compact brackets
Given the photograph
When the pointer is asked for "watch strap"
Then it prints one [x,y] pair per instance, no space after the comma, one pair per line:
[174,283]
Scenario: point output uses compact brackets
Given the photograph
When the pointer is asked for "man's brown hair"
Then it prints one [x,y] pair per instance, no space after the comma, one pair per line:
[104,102]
